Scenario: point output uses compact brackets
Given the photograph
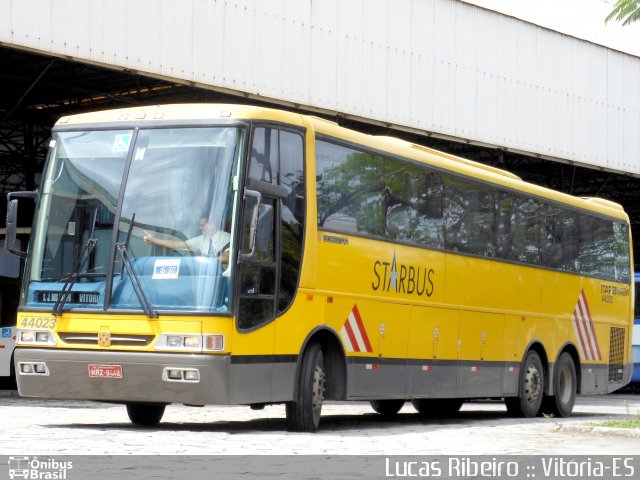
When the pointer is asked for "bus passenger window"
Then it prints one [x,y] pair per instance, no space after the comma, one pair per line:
[469,217]
[622,270]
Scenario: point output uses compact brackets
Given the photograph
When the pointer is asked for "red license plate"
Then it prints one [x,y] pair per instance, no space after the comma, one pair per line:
[105,371]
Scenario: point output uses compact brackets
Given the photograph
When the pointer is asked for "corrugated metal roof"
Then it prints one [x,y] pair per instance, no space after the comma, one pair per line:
[442,67]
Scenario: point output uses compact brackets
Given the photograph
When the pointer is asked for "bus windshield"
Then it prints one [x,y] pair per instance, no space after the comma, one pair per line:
[160,242]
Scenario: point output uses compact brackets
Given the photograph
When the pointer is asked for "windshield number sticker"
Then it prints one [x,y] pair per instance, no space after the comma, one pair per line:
[38,322]
[166,268]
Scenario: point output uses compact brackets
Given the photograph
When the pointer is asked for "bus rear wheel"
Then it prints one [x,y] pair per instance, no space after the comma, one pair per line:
[564,388]
[303,413]
[145,414]
[437,407]
[387,408]
[531,389]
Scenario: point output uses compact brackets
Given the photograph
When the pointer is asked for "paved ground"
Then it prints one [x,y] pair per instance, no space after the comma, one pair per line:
[48,427]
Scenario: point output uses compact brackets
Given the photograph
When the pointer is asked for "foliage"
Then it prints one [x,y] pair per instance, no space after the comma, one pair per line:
[627,10]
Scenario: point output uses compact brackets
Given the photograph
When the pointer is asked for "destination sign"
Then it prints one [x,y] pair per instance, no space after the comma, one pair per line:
[83,298]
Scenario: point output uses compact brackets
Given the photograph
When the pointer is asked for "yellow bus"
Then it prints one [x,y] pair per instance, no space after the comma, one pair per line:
[226,254]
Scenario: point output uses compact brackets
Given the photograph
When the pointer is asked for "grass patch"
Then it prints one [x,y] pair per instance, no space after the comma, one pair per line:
[629,423]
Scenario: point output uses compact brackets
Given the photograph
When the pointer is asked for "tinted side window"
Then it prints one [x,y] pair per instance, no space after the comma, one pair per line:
[622,270]
[469,216]
[506,205]
[526,230]
[559,238]
[291,176]
[413,205]
[596,247]
[350,188]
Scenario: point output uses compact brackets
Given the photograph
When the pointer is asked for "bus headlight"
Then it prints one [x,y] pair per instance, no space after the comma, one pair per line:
[174,341]
[35,337]
[190,343]
[42,337]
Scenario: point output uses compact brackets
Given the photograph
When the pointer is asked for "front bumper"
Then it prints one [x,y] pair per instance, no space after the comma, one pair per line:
[142,377]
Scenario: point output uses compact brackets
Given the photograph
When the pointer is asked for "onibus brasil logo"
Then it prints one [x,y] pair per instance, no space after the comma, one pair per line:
[33,468]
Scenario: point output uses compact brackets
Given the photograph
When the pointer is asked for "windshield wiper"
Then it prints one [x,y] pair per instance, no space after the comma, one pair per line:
[135,281]
[70,281]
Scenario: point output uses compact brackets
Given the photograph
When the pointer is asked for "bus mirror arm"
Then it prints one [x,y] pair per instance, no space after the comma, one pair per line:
[11,243]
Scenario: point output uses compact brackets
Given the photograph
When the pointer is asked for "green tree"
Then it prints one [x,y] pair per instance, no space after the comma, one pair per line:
[627,10]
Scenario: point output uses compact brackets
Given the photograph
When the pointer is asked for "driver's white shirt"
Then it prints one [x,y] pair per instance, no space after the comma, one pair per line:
[209,245]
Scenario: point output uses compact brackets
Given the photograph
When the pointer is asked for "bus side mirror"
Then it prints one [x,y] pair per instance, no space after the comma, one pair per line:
[252,200]
[264,228]
[10,240]
[258,225]
[9,263]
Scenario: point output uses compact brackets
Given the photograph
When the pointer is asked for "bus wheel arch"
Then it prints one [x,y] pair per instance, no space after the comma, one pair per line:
[320,375]
[572,350]
[532,383]
[565,383]
[334,359]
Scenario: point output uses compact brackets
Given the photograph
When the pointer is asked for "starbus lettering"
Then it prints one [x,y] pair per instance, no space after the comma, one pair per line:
[400,278]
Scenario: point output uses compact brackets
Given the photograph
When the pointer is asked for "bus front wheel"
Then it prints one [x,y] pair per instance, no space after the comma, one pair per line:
[531,389]
[303,413]
[564,388]
[387,408]
[145,414]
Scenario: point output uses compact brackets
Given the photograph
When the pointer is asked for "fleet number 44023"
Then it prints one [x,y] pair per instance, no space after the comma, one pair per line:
[38,322]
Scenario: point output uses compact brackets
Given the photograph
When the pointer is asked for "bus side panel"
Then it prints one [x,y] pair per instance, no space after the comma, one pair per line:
[492,344]
[252,363]
[433,353]
[481,353]
[607,304]
[475,283]
[292,328]
[360,322]
[518,329]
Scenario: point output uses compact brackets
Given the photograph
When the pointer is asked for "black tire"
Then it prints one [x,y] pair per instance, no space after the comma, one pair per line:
[387,408]
[437,407]
[145,414]
[531,389]
[303,413]
[565,385]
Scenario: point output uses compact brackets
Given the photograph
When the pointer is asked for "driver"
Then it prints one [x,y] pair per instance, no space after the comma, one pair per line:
[210,243]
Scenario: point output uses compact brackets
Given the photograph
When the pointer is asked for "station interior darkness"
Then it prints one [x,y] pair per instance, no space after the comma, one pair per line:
[36,90]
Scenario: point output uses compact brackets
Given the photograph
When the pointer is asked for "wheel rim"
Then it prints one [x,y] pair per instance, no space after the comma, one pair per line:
[532,381]
[317,396]
[565,385]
